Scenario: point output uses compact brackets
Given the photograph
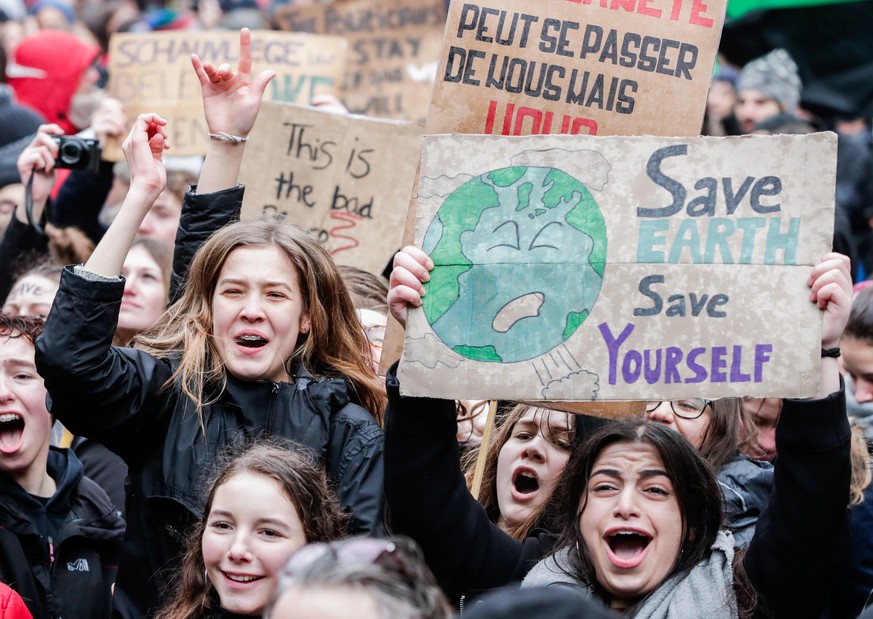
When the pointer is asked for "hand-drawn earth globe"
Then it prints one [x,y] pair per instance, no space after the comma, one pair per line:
[519,254]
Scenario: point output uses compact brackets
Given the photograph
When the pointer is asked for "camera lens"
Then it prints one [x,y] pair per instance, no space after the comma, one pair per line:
[70,152]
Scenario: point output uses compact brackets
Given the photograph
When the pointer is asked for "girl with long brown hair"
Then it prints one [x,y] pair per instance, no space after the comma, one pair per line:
[263,341]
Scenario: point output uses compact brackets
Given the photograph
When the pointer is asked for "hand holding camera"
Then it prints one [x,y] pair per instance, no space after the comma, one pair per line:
[75,153]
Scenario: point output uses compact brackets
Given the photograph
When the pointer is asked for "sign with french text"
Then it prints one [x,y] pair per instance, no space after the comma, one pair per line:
[619,268]
[593,67]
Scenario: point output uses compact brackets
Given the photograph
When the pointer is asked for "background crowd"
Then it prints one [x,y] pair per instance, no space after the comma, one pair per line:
[193,424]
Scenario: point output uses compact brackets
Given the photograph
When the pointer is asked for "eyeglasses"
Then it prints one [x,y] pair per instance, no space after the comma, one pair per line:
[376,335]
[691,408]
[357,551]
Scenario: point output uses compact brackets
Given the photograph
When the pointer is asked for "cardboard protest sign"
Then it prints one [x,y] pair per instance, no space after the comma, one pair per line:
[347,179]
[595,67]
[620,268]
[393,51]
[151,72]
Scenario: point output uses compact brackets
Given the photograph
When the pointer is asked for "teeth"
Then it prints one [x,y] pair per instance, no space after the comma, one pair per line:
[7,417]
[528,475]
[237,578]
[251,338]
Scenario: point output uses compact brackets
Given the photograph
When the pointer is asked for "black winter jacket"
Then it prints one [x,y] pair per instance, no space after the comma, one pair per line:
[791,561]
[158,435]
[71,575]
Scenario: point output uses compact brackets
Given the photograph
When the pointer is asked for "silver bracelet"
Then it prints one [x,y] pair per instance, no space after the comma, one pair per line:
[227,137]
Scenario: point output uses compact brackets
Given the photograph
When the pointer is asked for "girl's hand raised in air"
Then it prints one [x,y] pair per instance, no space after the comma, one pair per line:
[143,150]
[231,100]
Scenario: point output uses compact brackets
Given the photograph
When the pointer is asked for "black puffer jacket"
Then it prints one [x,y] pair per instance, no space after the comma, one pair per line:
[113,395]
[68,574]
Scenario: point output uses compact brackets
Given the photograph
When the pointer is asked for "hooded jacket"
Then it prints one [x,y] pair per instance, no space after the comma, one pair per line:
[70,574]
[45,73]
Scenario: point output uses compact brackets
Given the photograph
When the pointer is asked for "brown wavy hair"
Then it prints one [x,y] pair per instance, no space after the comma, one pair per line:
[304,481]
[335,345]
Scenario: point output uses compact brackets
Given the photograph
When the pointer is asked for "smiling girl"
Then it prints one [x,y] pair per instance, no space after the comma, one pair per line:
[265,502]
[264,340]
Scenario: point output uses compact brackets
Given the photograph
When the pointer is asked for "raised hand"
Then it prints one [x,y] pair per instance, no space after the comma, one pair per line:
[231,100]
[831,287]
[831,291]
[143,150]
[411,268]
[109,120]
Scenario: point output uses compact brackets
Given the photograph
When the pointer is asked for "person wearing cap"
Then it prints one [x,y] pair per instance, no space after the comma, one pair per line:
[767,86]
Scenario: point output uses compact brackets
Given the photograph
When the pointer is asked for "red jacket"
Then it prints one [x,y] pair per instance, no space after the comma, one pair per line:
[11,604]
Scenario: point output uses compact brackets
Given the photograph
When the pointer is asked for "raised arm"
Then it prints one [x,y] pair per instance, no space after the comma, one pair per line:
[110,394]
[231,101]
[143,149]
[801,534]
[426,491]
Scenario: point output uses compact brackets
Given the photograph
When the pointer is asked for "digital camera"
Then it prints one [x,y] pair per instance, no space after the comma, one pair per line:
[77,153]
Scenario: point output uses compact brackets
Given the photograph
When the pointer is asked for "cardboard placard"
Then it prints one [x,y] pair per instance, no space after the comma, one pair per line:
[393,51]
[594,67]
[347,179]
[620,268]
[151,72]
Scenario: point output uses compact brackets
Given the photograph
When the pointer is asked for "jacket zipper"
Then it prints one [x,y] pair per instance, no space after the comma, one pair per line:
[271,414]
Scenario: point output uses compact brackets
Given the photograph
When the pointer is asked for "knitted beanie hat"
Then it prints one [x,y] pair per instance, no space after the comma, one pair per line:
[46,72]
[774,75]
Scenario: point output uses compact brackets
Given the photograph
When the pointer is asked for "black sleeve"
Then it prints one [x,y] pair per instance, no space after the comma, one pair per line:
[355,460]
[80,199]
[109,394]
[202,214]
[803,531]
[21,245]
[428,498]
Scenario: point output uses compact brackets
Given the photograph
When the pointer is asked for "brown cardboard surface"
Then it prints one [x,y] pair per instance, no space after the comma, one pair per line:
[607,67]
[347,179]
[620,268]
[151,72]
[393,51]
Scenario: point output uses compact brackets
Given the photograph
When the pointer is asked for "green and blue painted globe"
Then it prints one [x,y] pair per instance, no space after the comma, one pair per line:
[519,255]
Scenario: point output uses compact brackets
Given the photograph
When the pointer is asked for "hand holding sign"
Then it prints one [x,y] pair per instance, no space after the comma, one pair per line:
[831,287]
[411,267]
[231,100]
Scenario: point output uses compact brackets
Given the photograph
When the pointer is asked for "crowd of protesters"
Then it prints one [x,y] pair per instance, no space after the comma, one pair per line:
[193,422]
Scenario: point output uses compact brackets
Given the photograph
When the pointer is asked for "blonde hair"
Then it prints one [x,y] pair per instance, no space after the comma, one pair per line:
[335,345]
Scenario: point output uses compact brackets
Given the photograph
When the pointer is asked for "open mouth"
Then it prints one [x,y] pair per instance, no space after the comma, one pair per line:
[11,431]
[241,578]
[249,340]
[526,482]
[628,547]
[525,306]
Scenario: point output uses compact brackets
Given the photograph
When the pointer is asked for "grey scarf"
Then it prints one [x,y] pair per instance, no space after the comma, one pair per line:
[706,591]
